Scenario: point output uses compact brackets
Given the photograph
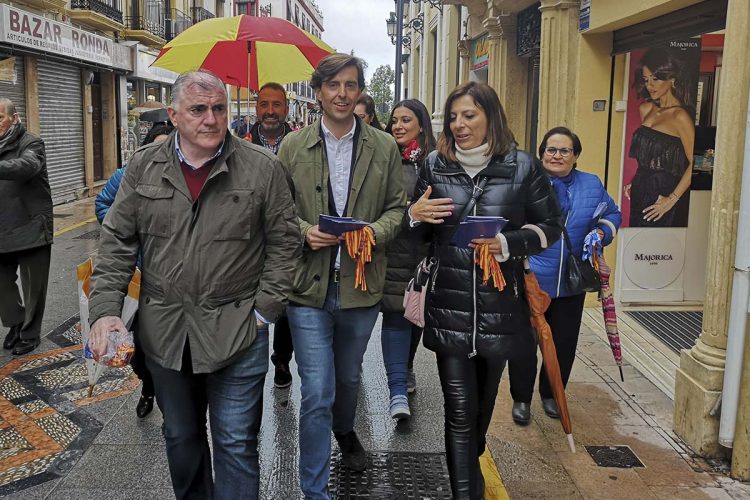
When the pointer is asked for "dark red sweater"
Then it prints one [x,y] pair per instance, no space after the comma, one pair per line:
[195,179]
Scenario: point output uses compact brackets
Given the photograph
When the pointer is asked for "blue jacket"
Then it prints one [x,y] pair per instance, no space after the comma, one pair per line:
[106,196]
[586,192]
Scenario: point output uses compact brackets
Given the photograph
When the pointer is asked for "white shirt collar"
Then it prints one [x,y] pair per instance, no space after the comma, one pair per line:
[182,158]
[346,136]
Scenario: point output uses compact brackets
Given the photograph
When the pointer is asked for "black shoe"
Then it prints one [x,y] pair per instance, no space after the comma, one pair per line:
[283,377]
[14,335]
[550,408]
[25,346]
[144,406]
[353,454]
[521,413]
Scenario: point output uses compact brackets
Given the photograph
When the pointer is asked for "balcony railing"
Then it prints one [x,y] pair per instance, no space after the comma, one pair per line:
[147,15]
[200,14]
[177,23]
[110,8]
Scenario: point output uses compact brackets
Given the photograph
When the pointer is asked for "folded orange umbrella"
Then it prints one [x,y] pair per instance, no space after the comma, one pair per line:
[539,301]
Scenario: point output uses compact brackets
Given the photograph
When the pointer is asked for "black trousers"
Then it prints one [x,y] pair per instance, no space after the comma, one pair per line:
[469,389]
[282,342]
[138,363]
[564,317]
[416,336]
[33,267]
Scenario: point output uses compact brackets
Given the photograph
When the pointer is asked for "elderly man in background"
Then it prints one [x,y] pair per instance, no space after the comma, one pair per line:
[214,219]
[25,231]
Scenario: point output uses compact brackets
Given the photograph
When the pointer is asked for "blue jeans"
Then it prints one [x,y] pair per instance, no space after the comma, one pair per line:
[234,399]
[396,338]
[329,345]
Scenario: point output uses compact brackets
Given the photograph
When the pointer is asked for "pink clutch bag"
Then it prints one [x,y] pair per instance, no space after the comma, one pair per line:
[416,292]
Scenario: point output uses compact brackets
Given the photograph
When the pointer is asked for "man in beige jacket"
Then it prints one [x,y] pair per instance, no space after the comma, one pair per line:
[213,217]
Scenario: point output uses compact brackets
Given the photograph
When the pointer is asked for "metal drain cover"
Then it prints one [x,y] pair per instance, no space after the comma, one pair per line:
[621,457]
[393,476]
[91,235]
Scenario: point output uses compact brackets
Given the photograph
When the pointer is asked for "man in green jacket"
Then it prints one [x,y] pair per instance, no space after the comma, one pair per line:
[213,217]
[339,167]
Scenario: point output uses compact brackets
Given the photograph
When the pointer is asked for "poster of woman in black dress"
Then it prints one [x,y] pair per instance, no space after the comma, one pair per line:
[662,132]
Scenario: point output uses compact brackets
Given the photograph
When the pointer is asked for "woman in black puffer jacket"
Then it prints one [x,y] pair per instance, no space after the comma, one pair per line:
[410,126]
[474,328]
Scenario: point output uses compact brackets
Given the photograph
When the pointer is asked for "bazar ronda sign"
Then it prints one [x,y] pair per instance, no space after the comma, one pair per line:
[37,32]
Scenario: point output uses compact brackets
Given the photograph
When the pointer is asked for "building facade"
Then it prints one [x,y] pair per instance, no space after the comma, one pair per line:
[77,69]
[60,65]
[580,63]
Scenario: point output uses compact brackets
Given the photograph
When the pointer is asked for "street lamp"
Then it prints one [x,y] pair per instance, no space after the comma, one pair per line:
[396,27]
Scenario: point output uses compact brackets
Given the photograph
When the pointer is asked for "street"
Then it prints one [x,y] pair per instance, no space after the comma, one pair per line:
[59,444]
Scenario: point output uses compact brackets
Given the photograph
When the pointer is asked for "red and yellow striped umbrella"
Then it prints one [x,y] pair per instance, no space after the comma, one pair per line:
[245,51]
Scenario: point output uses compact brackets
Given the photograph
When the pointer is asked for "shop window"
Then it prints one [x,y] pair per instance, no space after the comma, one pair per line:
[132,92]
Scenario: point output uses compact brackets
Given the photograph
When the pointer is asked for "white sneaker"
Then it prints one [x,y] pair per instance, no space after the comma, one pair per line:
[399,407]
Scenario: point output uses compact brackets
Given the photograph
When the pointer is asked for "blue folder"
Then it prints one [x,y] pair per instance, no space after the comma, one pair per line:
[337,226]
[477,227]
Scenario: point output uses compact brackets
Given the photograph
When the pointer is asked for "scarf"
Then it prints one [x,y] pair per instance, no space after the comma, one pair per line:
[10,136]
[412,152]
[473,160]
[561,185]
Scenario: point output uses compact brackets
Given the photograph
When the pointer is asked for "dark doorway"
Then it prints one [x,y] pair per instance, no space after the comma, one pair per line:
[96,127]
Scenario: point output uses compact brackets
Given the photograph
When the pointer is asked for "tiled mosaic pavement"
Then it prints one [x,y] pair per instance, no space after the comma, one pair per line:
[44,423]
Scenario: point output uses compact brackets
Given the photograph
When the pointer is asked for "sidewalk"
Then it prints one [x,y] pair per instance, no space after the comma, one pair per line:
[535,462]
[55,443]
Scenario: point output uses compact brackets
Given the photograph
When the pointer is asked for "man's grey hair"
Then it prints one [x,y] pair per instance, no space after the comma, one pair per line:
[10,108]
[201,78]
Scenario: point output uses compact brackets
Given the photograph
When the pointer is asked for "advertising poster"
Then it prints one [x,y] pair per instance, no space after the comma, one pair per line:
[659,135]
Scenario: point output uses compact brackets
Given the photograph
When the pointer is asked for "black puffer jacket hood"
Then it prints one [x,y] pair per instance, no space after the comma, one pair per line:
[462,315]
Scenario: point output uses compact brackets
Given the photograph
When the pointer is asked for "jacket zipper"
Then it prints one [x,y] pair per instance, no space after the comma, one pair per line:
[562,252]
[474,297]
[437,259]
[473,274]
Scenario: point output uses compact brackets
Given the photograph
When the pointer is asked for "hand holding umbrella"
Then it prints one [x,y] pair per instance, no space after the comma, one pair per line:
[108,343]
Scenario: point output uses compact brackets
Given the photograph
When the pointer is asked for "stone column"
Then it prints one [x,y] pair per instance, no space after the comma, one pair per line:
[465,61]
[31,79]
[558,64]
[700,376]
[507,72]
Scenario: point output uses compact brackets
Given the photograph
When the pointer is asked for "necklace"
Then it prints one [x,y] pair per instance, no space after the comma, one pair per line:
[660,109]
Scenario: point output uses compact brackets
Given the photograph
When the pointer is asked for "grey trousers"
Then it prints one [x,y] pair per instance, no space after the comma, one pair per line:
[33,267]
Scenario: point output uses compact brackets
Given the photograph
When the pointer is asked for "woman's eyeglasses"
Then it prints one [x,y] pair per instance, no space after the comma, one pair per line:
[564,152]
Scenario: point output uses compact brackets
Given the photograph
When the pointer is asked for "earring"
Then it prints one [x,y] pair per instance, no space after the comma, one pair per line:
[673,84]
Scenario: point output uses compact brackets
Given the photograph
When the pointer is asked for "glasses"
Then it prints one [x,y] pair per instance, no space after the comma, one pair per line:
[564,152]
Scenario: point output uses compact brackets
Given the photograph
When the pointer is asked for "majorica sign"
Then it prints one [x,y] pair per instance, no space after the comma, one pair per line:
[37,32]
[654,257]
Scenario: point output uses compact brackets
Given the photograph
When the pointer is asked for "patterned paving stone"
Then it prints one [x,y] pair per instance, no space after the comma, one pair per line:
[12,439]
[51,360]
[44,423]
[33,406]
[59,428]
[10,389]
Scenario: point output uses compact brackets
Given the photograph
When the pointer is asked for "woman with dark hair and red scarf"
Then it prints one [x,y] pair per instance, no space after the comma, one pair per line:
[410,125]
